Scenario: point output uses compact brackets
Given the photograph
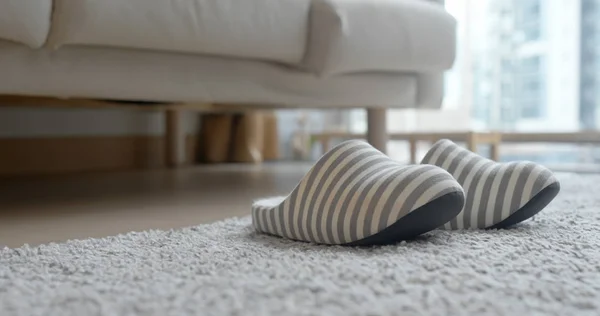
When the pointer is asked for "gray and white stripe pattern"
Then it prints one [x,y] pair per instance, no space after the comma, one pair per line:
[493,191]
[354,191]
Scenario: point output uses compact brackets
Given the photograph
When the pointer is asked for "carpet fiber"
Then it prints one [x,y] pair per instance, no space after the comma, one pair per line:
[548,265]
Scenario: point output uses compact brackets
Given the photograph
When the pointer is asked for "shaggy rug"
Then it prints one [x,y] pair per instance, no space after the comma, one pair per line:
[547,266]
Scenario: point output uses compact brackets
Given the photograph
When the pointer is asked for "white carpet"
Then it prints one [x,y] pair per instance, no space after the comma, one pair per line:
[548,266]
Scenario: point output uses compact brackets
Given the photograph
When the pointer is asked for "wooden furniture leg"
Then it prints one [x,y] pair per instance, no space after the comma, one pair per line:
[472,142]
[174,139]
[248,138]
[216,130]
[413,150]
[377,134]
[325,144]
[495,146]
[271,136]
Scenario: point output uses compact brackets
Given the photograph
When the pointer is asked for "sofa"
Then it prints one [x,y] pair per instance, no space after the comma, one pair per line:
[374,54]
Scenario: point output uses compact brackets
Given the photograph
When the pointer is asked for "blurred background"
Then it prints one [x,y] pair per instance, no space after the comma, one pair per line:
[522,66]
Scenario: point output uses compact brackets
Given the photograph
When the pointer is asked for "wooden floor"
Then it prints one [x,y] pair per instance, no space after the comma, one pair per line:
[41,210]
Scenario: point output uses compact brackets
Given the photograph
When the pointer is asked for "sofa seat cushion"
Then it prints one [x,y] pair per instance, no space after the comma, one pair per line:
[25,21]
[273,30]
[380,35]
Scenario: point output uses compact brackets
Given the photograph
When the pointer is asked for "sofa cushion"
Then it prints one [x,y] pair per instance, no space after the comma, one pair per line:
[380,35]
[25,21]
[272,30]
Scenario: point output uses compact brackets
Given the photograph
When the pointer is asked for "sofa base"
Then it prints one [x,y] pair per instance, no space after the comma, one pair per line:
[174,137]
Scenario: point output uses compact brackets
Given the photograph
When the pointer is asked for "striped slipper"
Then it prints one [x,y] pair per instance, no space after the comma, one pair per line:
[498,195]
[355,195]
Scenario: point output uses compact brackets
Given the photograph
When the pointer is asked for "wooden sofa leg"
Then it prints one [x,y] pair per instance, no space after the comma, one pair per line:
[413,150]
[377,134]
[174,139]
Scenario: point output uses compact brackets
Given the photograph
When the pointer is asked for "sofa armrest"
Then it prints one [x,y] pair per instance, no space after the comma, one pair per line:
[379,35]
[430,90]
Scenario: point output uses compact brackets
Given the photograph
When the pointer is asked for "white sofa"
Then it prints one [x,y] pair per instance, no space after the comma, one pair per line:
[284,53]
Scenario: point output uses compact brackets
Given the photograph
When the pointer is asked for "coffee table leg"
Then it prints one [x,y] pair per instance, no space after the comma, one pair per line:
[472,142]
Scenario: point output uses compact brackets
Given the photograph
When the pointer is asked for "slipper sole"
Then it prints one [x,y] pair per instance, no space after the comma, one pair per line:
[534,206]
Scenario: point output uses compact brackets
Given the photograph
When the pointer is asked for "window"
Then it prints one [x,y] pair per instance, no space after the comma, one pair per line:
[480,103]
[527,11]
[588,5]
[528,19]
[529,95]
[531,32]
[507,85]
[529,65]
[507,64]
[532,86]
[507,114]
[530,109]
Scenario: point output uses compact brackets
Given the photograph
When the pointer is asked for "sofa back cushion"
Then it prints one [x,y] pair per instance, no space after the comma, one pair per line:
[273,30]
[25,21]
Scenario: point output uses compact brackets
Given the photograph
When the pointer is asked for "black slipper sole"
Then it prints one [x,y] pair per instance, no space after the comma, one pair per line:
[424,219]
[534,206]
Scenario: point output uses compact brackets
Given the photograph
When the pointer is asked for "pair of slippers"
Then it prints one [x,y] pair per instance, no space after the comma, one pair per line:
[355,195]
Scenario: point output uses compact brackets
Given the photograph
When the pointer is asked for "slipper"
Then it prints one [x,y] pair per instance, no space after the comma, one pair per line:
[355,195]
[498,195]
